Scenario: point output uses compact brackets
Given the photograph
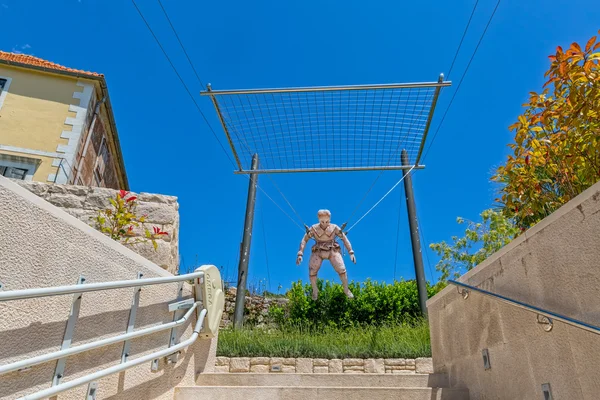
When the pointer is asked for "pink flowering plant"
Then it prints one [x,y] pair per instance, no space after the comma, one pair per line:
[119,221]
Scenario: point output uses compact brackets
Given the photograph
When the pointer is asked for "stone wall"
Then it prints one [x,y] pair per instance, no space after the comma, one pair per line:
[324,366]
[84,202]
[257,307]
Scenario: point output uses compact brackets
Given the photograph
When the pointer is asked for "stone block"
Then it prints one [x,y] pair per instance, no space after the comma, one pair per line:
[259,361]
[157,198]
[354,368]
[157,213]
[352,371]
[320,362]
[320,370]
[350,362]
[288,369]
[289,361]
[239,364]
[374,366]
[222,369]
[161,256]
[65,200]
[396,367]
[37,188]
[222,361]
[260,369]
[424,365]
[402,372]
[395,362]
[99,198]
[335,366]
[411,362]
[304,365]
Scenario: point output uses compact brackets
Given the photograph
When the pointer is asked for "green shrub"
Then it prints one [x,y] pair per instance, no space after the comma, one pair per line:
[374,303]
[399,341]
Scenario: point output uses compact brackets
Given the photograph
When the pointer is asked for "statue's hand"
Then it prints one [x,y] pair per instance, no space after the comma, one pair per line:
[299,259]
[353,258]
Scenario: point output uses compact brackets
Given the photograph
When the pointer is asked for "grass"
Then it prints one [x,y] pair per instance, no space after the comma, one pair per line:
[360,342]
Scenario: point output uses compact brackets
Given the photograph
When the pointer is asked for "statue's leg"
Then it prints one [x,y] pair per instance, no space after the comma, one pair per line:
[314,264]
[337,261]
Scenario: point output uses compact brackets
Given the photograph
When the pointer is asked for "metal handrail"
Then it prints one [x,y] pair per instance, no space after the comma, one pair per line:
[93,287]
[30,362]
[81,288]
[530,308]
[43,394]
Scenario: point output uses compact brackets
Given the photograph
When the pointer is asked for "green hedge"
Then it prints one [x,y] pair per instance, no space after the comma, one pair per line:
[374,304]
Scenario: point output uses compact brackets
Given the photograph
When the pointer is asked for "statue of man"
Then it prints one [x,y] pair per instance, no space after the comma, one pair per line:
[326,248]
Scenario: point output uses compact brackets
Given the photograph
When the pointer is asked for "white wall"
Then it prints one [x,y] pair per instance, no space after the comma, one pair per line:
[41,245]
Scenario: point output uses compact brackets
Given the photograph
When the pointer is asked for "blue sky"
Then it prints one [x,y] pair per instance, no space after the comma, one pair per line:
[169,149]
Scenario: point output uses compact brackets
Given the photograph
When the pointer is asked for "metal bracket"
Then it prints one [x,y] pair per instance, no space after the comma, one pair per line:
[463,292]
[181,305]
[132,313]
[547,391]
[173,358]
[92,391]
[546,322]
[68,337]
[154,365]
[486,359]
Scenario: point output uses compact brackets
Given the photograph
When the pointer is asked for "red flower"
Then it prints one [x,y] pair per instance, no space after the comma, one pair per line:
[132,198]
[123,193]
[130,228]
[157,231]
[527,160]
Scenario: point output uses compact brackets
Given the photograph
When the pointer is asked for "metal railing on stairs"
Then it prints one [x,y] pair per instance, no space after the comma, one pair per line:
[208,302]
[544,317]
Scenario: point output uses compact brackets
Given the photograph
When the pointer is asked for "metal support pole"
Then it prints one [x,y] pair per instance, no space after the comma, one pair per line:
[414,236]
[238,317]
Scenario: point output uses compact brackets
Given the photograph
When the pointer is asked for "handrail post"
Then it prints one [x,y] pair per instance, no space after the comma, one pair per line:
[59,372]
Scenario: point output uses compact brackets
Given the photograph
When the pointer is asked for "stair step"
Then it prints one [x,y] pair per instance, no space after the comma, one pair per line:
[321,393]
[324,380]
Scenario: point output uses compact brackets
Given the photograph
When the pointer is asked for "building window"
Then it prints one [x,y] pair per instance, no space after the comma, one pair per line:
[14,173]
[4,85]
[98,177]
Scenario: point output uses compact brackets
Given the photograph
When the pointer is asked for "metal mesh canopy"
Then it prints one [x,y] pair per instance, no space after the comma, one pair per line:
[321,129]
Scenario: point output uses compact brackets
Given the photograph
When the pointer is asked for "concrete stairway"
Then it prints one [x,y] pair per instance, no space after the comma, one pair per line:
[271,386]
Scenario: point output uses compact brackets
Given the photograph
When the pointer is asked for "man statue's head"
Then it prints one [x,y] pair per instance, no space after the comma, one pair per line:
[324,218]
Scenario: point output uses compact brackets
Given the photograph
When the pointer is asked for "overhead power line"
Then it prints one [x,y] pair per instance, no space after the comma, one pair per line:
[462,79]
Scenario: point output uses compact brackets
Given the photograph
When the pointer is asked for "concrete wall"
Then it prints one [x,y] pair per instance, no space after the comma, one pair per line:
[555,266]
[84,202]
[40,246]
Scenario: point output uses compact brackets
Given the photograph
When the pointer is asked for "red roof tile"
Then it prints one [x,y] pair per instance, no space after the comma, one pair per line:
[39,62]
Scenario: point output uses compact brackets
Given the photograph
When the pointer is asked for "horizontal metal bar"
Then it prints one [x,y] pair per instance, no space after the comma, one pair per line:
[340,169]
[43,394]
[92,287]
[4,369]
[327,88]
[530,308]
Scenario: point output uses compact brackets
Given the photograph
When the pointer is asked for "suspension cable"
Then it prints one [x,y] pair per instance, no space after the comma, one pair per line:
[286,200]
[380,200]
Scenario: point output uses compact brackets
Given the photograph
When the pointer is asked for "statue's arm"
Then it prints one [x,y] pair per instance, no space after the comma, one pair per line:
[303,242]
[344,238]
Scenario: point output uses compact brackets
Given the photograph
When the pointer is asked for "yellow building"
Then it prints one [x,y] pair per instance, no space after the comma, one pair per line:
[57,125]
